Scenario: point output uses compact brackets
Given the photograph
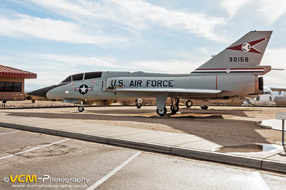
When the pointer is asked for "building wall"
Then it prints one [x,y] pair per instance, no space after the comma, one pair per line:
[12,95]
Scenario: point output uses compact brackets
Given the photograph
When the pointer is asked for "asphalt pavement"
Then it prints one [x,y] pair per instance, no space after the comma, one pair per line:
[64,163]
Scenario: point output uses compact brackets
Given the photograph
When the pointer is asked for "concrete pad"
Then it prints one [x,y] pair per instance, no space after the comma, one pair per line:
[83,136]
[210,146]
[271,124]
[110,131]
[204,145]
[146,135]
[159,137]
[178,139]
[261,155]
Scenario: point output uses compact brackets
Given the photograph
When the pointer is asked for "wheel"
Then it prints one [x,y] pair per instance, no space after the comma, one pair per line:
[204,107]
[174,109]
[189,103]
[139,105]
[162,112]
[80,108]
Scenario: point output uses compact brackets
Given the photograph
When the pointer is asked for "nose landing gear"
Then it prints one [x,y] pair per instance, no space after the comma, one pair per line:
[81,107]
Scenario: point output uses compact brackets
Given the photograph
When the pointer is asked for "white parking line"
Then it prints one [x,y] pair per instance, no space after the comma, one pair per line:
[9,132]
[259,182]
[32,149]
[114,171]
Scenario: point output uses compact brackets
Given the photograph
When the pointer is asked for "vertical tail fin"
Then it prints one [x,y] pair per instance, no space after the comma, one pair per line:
[246,53]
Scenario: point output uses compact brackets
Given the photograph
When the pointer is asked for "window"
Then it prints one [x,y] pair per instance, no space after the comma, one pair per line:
[257,98]
[10,87]
[77,77]
[17,87]
[2,87]
[93,75]
[68,79]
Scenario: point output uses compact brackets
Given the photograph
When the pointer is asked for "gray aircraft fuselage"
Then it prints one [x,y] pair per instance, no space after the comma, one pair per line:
[234,72]
[106,86]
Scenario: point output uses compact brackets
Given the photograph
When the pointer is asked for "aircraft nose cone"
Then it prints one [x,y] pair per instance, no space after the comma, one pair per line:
[42,92]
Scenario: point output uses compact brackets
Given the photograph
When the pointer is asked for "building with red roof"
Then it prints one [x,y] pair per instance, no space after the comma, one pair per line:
[12,83]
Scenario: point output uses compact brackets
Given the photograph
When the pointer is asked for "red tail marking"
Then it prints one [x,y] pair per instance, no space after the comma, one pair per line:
[252,44]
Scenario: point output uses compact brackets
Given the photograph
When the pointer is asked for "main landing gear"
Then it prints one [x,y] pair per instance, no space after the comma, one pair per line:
[139,103]
[80,108]
[175,105]
[161,105]
[162,112]
[189,103]
[205,105]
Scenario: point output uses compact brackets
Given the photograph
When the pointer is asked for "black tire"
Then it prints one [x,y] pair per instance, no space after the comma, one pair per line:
[174,109]
[80,109]
[204,107]
[189,103]
[139,105]
[162,112]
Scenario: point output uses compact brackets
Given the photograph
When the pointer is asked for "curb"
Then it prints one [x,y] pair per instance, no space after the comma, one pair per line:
[172,150]
[140,145]
[218,157]
[274,166]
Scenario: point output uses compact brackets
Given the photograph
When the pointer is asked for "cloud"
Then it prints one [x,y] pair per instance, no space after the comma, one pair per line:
[135,15]
[167,66]
[275,57]
[24,26]
[53,68]
[233,6]
[270,11]
[273,10]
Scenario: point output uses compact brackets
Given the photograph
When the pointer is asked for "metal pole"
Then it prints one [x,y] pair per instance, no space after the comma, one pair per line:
[283,132]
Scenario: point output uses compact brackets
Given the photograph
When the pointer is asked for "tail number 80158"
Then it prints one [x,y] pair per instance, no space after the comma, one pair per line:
[238,59]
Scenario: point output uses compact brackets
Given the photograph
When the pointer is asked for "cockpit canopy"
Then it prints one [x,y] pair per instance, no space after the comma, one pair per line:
[82,76]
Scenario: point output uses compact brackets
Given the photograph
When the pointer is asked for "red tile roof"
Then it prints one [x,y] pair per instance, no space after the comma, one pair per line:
[9,72]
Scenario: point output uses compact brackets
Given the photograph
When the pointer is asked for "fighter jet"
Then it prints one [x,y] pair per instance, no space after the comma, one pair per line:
[234,72]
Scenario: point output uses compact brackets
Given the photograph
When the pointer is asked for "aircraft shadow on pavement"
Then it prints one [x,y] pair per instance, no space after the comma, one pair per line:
[234,112]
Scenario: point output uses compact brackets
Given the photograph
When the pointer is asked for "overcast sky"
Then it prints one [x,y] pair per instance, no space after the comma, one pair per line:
[57,38]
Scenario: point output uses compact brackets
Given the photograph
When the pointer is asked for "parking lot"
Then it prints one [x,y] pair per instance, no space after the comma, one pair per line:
[86,164]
